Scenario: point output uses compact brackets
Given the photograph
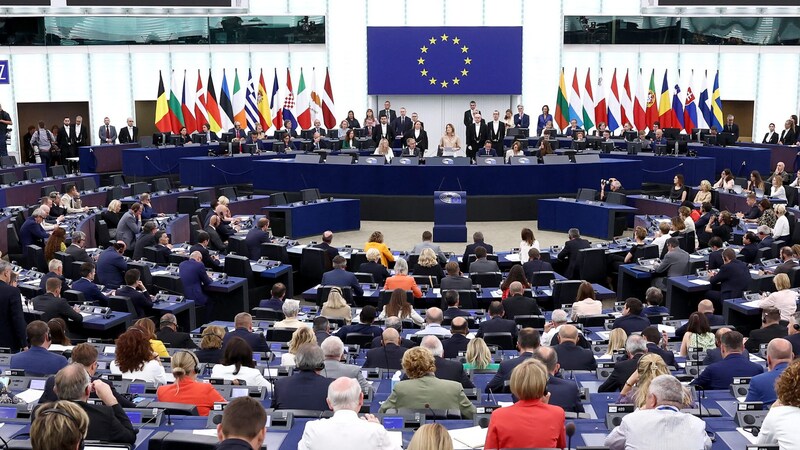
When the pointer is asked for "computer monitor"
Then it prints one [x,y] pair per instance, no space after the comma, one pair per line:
[307,134]
[33,174]
[8,161]
[578,145]
[333,134]
[711,139]
[160,139]
[699,134]
[634,148]
[176,141]
[200,138]
[279,134]
[161,184]
[360,132]
[313,158]
[523,132]
[279,147]
[226,137]
[725,139]
[250,148]
[8,178]
[630,136]
[554,143]
[671,133]
[309,195]
[278,199]
[661,149]
[607,147]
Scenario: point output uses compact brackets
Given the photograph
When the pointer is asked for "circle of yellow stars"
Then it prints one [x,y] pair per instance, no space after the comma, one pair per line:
[442,39]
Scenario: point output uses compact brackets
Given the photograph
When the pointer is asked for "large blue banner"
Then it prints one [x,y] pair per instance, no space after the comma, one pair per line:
[444,60]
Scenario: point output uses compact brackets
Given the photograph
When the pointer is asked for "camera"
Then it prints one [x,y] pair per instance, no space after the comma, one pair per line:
[603,182]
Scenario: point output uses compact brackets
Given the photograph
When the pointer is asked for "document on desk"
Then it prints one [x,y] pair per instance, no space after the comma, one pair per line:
[30,395]
[594,439]
[513,257]
[753,304]
[603,334]
[468,438]
[747,435]
[208,432]
[666,328]
[497,293]
[700,282]
[160,272]
[395,438]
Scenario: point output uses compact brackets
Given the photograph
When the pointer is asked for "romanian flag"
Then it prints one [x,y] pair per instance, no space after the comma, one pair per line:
[162,107]
[665,114]
[562,105]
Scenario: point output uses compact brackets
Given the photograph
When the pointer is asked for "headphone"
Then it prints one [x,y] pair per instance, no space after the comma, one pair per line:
[796,326]
[61,412]
[194,357]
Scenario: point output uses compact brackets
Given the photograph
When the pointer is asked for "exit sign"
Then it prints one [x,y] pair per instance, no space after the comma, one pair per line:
[4,77]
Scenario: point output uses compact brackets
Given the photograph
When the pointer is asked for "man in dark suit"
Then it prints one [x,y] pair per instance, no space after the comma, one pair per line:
[111,266]
[212,262]
[568,256]
[445,368]
[256,236]
[631,320]
[705,307]
[481,264]
[749,250]
[770,137]
[477,241]
[365,326]
[12,320]
[383,131]
[129,134]
[469,115]
[169,334]
[731,127]
[789,263]
[497,132]
[458,341]
[653,339]
[453,310]
[762,387]
[496,323]
[636,347]
[76,248]
[715,256]
[107,132]
[85,284]
[487,149]
[390,356]
[535,264]
[278,292]
[37,360]
[477,134]
[733,278]
[107,422]
[243,323]
[387,112]
[65,138]
[210,135]
[146,239]
[397,324]
[517,304]
[330,250]
[715,354]
[306,388]
[134,289]
[563,393]
[215,232]
[243,425]
[193,276]
[522,120]
[720,374]
[402,124]
[162,247]
[527,343]
[770,329]
[453,279]
[81,135]
[56,268]
[570,356]
[32,231]
[52,305]
[339,276]
[788,136]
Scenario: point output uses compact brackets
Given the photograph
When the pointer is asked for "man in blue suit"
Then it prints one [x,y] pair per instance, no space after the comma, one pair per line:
[527,342]
[32,231]
[720,375]
[658,140]
[705,307]
[276,302]
[111,266]
[257,236]
[563,393]
[244,329]
[86,285]
[341,277]
[715,354]
[762,387]
[733,278]
[194,277]
[535,263]
[521,120]
[631,320]
[37,360]
[134,289]
[653,338]
[306,388]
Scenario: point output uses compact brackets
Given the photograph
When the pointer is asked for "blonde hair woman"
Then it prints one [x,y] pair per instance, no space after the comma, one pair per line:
[649,367]
[784,299]
[616,341]
[222,200]
[384,149]
[112,215]
[449,139]
[211,345]
[336,307]
[704,194]
[428,265]
[302,335]
[432,436]
[186,389]
[479,356]
[64,424]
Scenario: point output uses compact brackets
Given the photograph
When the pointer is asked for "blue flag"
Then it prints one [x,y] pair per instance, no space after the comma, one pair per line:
[444,60]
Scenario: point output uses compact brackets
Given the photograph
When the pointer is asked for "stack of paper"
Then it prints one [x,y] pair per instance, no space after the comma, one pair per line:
[468,438]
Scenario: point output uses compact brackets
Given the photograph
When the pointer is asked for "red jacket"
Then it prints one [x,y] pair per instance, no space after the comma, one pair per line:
[527,424]
[191,392]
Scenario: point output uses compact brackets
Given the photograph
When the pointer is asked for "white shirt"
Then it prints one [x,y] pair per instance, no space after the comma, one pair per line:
[434,329]
[785,301]
[660,241]
[250,375]
[347,432]
[780,426]
[781,226]
[689,223]
[656,429]
[524,248]
[495,125]
[152,372]
[547,336]
[77,130]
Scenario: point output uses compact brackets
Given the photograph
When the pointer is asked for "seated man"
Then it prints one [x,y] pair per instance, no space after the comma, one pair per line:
[333,350]
[397,324]
[720,374]
[194,278]
[216,242]
[76,248]
[91,292]
[278,293]
[433,323]
[327,240]
[631,320]
[37,360]
[674,264]
[788,261]
[570,356]
[339,276]
[390,355]
[794,333]
[496,322]
[705,307]
[733,278]
[445,368]
[458,341]
[635,347]
[517,304]
[453,278]
[243,425]
[256,236]
[365,326]
[535,264]
[169,334]
[558,319]
[53,306]
[477,241]
[653,337]
[244,329]
[56,270]
[654,299]
[134,289]
[762,387]
[453,305]
[291,310]
[770,329]
[212,262]
[306,388]
[111,266]
[563,393]
[146,239]
[321,327]
[527,342]
[482,264]
[715,354]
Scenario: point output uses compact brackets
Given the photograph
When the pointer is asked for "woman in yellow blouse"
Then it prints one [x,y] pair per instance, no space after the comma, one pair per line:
[148,327]
[376,242]
[704,194]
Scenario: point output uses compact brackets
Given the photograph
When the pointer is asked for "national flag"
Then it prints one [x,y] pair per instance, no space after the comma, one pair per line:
[690,107]
[162,107]
[303,106]
[316,99]
[587,112]
[225,106]
[200,114]
[239,114]
[562,105]
[175,110]
[289,101]
[614,115]
[250,105]
[212,107]
[575,106]
[651,113]
[327,102]
[187,107]
[716,105]
[600,109]
[678,98]
[640,104]
[274,103]
[626,102]
[704,114]
[665,113]
[262,101]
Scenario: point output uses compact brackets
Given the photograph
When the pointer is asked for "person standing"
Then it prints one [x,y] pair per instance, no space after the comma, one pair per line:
[12,321]
[5,121]
[43,140]
[107,132]
[129,134]
[65,137]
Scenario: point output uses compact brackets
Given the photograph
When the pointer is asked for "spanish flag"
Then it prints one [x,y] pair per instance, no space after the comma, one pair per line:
[162,107]
[264,113]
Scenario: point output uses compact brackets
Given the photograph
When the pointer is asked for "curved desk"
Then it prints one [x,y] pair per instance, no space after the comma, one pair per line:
[102,158]
[161,161]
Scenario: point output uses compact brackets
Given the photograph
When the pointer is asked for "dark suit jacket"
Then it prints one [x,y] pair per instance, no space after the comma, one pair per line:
[469,119]
[12,321]
[715,355]
[111,268]
[497,325]
[302,390]
[52,307]
[330,250]
[209,355]
[256,340]
[453,371]
[378,134]
[733,128]
[522,122]
[520,306]
[570,254]
[141,300]
[537,265]
[788,137]
[90,291]
[475,140]
[720,375]
[378,271]
[388,356]
[215,242]
[770,139]
[108,423]
[733,279]
[272,303]
[193,277]
[342,278]
[470,250]
[78,253]
[795,340]
[666,355]
[402,125]
[564,393]
[47,276]
[622,371]
[422,141]
[208,261]
[453,312]
[453,346]
[145,240]
[715,260]
[749,253]
[484,152]
[125,137]
[786,267]
[233,444]
[763,336]
[256,237]
[37,361]
[497,383]
[175,339]
[572,357]
[392,116]
[405,343]
[496,136]
[49,394]
[456,282]
[63,142]
[631,324]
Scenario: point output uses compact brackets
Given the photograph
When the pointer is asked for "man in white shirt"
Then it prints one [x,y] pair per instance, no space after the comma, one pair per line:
[345,430]
[433,323]
[557,320]
[129,133]
[660,424]
[662,235]
[71,201]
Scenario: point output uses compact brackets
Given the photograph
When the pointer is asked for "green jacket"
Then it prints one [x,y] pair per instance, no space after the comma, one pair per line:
[438,394]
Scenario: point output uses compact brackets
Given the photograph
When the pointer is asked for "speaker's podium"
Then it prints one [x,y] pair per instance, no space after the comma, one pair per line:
[450,216]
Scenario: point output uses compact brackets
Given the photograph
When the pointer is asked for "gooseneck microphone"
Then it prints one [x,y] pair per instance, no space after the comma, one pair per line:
[570,430]
[433,413]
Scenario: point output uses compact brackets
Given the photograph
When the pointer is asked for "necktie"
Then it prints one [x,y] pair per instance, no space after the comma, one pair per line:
[108,133]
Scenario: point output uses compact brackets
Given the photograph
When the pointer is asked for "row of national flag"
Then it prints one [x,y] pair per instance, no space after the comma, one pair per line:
[247,101]
[617,101]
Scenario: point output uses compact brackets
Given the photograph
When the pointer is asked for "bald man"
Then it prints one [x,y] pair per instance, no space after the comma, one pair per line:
[517,304]
[458,342]
[762,387]
[433,323]
[193,275]
[129,133]
[715,354]
[570,355]
[390,355]
[704,307]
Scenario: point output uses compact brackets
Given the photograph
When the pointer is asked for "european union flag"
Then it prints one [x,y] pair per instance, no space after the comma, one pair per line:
[444,60]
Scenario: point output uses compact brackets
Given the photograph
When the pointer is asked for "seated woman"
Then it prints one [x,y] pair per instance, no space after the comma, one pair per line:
[376,242]
[516,150]
[184,136]
[111,216]
[401,279]
[517,273]
[586,303]
[784,299]
[134,358]
[755,182]
[349,140]
[780,425]
[704,194]
[210,351]
[677,227]
[778,191]
[698,334]
[374,266]
[302,335]
[342,130]
[428,265]
[55,243]
[186,389]
[238,365]
[527,242]
[530,422]
[685,214]
[614,261]
[726,180]
[679,191]
[384,150]
[336,307]
[781,230]
[768,216]
[149,329]
[616,341]
[478,356]
[398,306]
[58,333]
[649,367]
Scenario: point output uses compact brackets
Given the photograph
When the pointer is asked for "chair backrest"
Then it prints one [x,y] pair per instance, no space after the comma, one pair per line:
[362,339]
[14,246]
[646,252]
[238,266]
[280,334]
[267,314]
[47,189]
[542,278]
[227,191]
[565,291]
[688,244]
[74,297]
[503,340]
[597,320]
[121,304]
[89,184]
[58,171]
[586,194]
[274,252]
[188,204]
[103,236]
[467,299]
[237,245]
[194,228]
[592,264]
[114,193]
[312,263]
[161,184]
[324,291]
[205,196]
[762,254]
[358,258]
[139,188]
[616,198]
[153,255]
[385,296]
[487,279]
[36,258]
[527,321]
[118,180]
[363,277]
[429,280]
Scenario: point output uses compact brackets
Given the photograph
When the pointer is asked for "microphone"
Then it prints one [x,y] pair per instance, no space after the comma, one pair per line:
[570,430]
[147,157]
[214,166]
[490,396]
[156,413]
[700,389]
[433,413]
